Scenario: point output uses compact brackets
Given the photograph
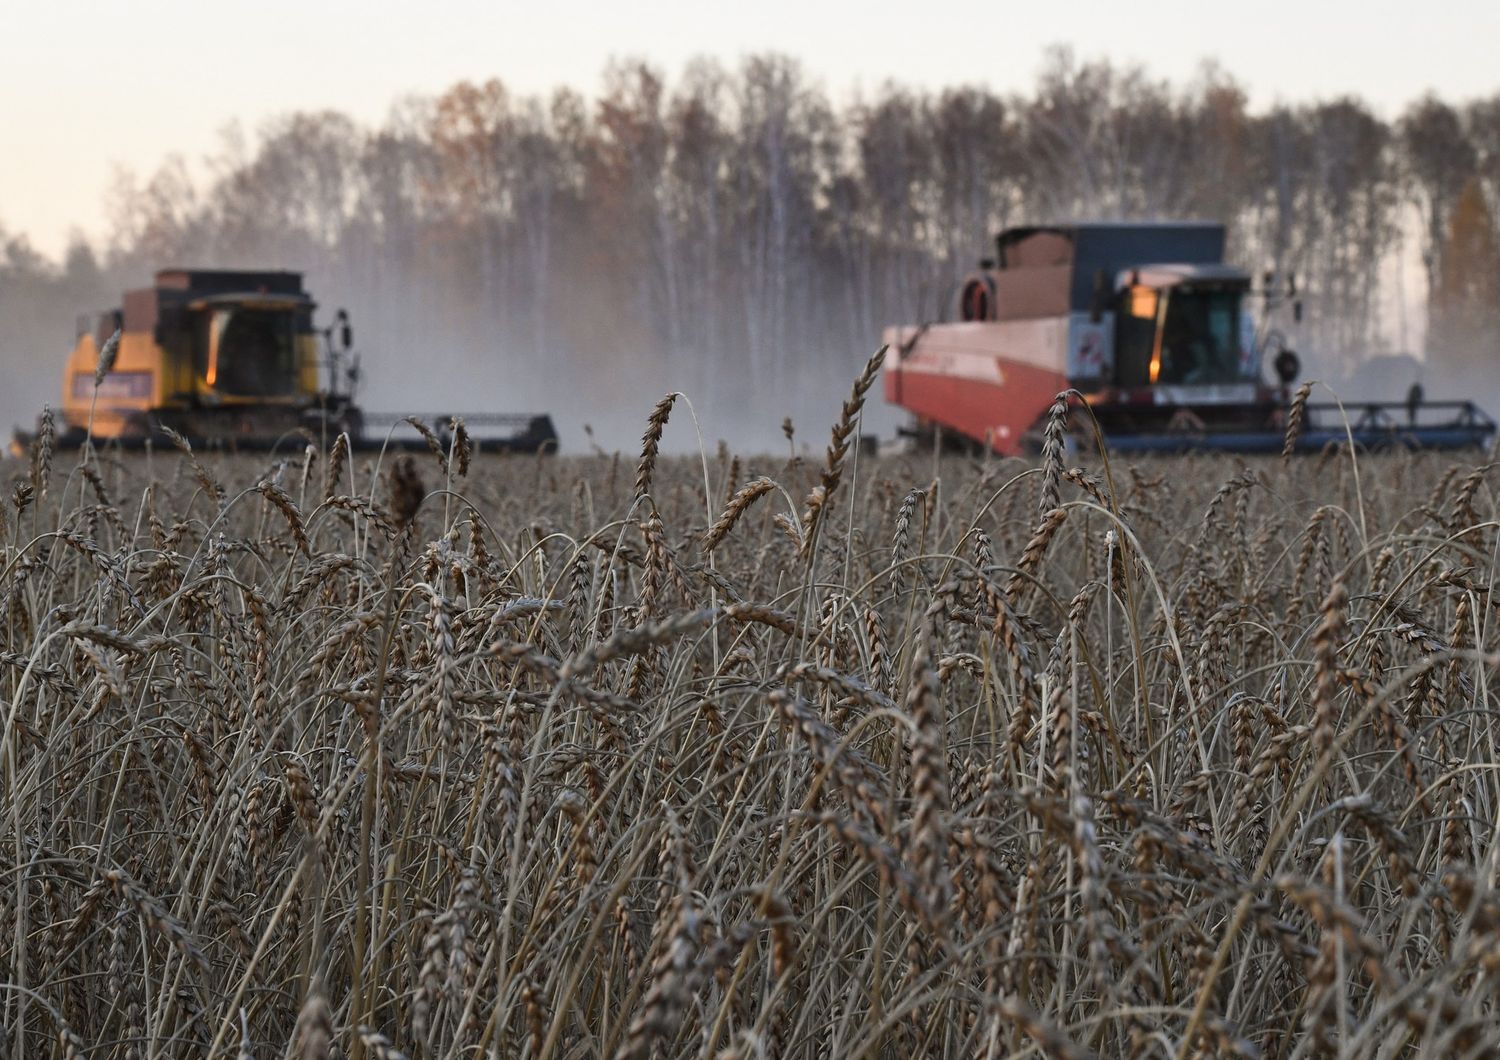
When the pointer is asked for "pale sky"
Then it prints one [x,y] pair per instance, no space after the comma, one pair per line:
[86,86]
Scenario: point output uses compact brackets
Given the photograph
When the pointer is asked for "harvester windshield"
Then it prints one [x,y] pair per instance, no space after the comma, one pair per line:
[1182,335]
[1200,338]
[249,351]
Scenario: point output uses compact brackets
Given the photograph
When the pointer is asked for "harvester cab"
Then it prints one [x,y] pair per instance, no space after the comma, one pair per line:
[1183,325]
[1149,324]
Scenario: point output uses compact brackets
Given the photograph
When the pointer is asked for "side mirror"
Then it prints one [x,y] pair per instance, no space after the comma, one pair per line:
[1287,365]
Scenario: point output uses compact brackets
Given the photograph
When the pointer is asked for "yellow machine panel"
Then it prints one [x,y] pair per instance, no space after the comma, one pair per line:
[127,392]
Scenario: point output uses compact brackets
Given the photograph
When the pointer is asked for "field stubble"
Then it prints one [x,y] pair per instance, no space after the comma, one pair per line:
[720,757]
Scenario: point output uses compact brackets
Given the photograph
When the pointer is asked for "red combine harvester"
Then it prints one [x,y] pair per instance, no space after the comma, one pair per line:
[1149,324]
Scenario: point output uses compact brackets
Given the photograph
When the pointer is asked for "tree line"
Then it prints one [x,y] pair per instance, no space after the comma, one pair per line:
[741,234]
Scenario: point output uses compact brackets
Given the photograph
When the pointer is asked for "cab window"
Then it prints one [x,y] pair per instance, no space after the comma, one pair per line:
[1200,339]
[247,351]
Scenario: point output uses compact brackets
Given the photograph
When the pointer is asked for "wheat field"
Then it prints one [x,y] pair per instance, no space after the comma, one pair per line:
[319,754]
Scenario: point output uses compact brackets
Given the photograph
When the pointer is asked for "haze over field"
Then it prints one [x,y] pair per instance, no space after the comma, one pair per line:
[519,221]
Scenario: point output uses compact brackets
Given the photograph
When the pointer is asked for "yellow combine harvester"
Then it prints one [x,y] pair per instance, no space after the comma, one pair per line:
[228,357]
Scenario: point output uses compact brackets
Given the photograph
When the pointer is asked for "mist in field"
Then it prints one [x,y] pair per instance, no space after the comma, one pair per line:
[742,235]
